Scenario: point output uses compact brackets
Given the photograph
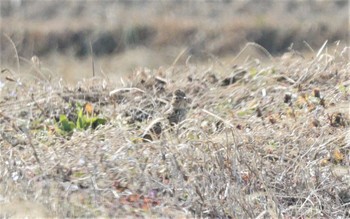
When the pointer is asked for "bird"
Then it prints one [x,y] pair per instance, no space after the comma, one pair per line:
[152,131]
[178,108]
[175,114]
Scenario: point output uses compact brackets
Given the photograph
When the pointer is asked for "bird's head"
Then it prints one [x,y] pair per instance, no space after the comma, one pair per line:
[179,99]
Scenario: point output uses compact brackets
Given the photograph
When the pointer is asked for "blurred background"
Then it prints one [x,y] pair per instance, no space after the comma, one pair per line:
[124,35]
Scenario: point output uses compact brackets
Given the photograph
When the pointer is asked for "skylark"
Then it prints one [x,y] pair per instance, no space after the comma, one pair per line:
[153,131]
[175,114]
[178,109]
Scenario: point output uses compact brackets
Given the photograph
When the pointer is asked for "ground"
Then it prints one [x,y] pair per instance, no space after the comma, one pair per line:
[266,134]
[268,140]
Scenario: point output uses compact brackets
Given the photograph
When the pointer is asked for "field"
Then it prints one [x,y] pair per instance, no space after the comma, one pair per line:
[265,136]
[125,35]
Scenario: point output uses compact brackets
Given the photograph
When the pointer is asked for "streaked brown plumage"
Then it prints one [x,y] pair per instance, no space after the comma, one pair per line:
[176,114]
[152,131]
[178,110]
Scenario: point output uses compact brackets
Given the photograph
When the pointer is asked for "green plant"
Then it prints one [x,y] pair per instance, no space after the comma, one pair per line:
[64,125]
[83,122]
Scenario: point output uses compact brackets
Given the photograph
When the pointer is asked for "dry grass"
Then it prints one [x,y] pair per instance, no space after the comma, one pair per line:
[269,141]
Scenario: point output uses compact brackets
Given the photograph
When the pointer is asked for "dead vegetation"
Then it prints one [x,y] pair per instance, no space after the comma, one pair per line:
[259,141]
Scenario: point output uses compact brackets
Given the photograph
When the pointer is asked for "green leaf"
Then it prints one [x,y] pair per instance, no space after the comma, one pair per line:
[65,125]
[81,121]
[98,121]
